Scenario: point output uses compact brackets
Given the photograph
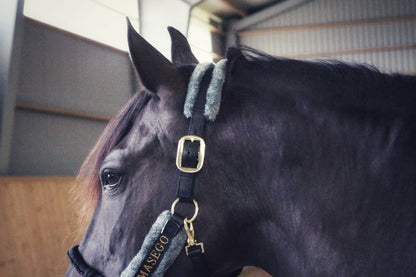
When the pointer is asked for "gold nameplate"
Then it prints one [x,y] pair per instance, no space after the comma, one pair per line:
[201,154]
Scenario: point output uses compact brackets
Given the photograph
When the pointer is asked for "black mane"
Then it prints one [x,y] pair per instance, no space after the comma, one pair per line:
[336,83]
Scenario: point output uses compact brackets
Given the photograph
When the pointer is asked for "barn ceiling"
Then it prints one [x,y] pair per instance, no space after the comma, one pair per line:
[229,9]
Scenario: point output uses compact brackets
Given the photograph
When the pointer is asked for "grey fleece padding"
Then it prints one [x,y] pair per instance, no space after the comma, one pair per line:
[212,105]
[193,87]
[213,101]
[175,247]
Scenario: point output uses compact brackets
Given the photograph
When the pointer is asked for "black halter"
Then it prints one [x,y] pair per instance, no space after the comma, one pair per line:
[188,158]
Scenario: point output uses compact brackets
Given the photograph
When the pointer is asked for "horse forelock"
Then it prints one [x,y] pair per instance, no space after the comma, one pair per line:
[88,187]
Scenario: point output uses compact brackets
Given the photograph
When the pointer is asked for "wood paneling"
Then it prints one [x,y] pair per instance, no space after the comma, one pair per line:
[351,51]
[38,225]
[326,25]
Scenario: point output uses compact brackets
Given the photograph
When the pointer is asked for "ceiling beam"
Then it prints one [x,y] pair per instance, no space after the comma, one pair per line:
[232,7]
[266,13]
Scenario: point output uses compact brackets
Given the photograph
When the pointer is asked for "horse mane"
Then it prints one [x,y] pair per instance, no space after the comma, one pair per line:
[88,187]
[333,83]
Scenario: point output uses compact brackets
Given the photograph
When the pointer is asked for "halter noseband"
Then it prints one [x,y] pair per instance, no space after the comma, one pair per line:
[168,234]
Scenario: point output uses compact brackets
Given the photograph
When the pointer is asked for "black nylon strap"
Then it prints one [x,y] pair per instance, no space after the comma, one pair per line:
[80,265]
[150,263]
[185,187]
[198,260]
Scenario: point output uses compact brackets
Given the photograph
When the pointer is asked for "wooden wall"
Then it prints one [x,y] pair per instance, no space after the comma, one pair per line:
[38,225]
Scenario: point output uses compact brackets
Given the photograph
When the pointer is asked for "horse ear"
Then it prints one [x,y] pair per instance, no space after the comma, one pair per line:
[152,67]
[181,50]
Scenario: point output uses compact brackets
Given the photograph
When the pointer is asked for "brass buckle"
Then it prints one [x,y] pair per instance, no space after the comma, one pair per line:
[201,154]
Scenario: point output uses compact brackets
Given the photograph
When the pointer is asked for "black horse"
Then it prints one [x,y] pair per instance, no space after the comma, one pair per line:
[310,167]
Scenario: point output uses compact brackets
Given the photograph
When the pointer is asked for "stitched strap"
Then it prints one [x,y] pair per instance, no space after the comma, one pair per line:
[198,261]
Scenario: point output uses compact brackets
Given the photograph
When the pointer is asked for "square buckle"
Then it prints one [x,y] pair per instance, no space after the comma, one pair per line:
[201,154]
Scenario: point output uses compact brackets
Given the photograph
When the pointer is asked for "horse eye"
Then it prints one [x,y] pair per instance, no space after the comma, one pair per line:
[110,180]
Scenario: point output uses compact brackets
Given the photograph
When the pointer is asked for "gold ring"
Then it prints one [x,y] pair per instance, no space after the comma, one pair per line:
[172,210]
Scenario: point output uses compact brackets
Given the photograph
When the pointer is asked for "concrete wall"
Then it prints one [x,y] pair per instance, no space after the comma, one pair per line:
[61,71]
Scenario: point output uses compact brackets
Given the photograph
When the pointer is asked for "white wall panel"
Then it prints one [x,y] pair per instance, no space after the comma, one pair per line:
[45,145]
[330,11]
[381,33]
[334,39]
[63,71]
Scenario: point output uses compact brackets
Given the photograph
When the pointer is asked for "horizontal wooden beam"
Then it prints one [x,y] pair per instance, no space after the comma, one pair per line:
[266,13]
[61,112]
[351,51]
[326,25]
[238,11]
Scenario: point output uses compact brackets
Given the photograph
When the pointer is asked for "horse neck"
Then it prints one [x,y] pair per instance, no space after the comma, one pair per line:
[318,173]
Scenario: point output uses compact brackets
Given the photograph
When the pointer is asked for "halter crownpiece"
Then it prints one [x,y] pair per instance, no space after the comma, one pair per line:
[213,97]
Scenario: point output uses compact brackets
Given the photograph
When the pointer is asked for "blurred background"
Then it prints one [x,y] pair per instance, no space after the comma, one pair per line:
[65,71]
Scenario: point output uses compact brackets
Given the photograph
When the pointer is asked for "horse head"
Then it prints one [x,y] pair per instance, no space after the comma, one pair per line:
[308,171]
[131,173]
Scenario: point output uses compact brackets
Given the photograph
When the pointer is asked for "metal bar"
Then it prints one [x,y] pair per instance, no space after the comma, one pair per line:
[327,25]
[11,22]
[238,11]
[266,14]
[61,112]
